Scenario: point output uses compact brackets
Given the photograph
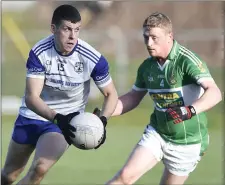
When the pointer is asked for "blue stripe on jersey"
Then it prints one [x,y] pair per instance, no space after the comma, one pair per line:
[34,65]
[87,56]
[56,74]
[87,51]
[43,44]
[44,49]
[101,70]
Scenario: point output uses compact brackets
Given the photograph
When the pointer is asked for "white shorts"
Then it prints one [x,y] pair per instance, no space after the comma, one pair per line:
[180,160]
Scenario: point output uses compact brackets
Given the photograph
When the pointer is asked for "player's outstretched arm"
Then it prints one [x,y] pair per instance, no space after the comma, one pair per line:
[33,101]
[128,102]
[110,99]
[210,98]
[109,105]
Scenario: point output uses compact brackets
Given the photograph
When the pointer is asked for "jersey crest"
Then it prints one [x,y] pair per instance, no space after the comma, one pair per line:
[79,67]
[171,74]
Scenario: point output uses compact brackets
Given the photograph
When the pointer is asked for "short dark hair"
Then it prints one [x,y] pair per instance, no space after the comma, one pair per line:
[158,20]
[65,12]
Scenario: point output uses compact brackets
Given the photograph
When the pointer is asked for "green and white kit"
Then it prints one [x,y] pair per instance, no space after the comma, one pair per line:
[176,83]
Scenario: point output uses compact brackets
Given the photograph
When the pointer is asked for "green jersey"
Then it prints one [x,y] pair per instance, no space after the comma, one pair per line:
[176,83]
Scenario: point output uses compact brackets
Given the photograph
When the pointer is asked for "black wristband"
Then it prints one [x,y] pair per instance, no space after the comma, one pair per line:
[192,110]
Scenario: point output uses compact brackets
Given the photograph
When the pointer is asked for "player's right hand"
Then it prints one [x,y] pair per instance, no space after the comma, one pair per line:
[104,122]
[63,123]
[97,112]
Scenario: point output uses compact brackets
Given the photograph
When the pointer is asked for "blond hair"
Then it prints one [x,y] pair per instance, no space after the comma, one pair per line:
[158,20]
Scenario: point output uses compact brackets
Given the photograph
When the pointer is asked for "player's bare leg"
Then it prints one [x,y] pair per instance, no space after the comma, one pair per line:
[140,161]
[16,160]
[171,179]
[50,147]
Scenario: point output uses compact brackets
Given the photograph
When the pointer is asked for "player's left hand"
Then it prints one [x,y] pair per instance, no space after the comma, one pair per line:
[97,112]
[179,114]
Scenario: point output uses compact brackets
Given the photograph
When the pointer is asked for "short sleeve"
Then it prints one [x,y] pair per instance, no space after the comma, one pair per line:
[100,73]
[139,84]
[35,69]
[197,70]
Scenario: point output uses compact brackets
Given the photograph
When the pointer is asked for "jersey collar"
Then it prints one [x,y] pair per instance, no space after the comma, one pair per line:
[174,51]
[69,54]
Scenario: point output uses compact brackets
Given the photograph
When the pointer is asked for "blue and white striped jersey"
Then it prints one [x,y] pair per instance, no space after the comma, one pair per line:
[66,78]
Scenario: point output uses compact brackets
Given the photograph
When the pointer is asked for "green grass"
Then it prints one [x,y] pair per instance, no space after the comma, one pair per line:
[96,167]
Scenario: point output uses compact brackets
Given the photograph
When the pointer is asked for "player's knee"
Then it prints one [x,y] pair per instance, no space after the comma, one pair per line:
[125,176]
[39,168]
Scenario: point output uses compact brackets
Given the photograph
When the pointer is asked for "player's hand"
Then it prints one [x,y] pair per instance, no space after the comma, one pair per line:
[63,123]
[97,112]
[104,121]
[179,114]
